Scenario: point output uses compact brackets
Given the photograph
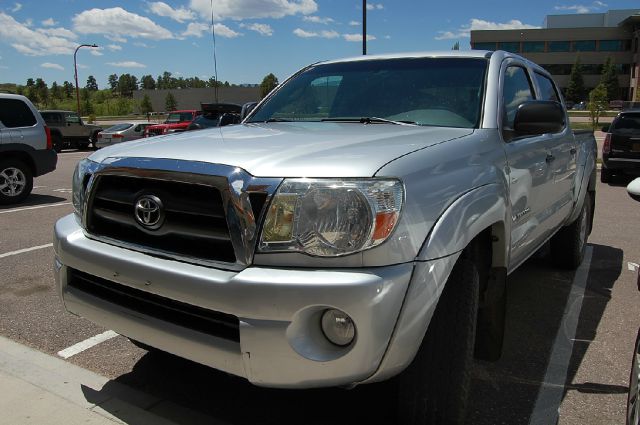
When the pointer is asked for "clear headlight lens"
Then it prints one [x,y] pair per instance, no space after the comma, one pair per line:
[81,175]
[327,217]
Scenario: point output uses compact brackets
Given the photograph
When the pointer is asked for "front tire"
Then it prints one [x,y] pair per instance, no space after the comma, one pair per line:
[569,244]
[434,388]
[16,181]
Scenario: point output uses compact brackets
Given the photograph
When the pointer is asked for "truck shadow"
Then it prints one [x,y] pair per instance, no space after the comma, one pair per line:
[501,392]
[34,199]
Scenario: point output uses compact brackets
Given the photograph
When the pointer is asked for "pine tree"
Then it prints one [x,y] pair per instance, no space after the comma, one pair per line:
[268,83]
[92,84]
[145,105]
[575,89]
[170,102]
[609,80]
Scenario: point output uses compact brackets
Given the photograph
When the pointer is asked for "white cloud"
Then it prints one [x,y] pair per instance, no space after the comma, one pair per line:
[114,47]
[479,24]
[141,44]
[30,42]
[16,7]
[387,37]
[127,64]
[311,34]
[371,6]
[318,20]
[52,66]
[357,37]
[580,8]
[118,22]
[49,22]
[180,15]
[355,23]
[81,66]
[96,51]
[116,38]
[262,29]
[58,32]
[197,29]
[253,9]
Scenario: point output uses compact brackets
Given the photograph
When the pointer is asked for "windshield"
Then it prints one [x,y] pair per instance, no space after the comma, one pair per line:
[627,124]
[179,117]
[425,91]
[117,127]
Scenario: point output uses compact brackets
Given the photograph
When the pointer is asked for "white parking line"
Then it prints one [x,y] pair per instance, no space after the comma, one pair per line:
[86,344]
[34,208]
[552,389]
[21,251]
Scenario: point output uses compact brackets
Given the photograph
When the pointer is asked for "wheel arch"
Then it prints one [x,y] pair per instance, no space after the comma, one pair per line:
[21,155]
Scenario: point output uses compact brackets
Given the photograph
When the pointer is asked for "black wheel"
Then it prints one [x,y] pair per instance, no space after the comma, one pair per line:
[435,387]
[57,143]
[16,181]
[94,140]
[633,399]
[492,311]
[568,245]
[605,175]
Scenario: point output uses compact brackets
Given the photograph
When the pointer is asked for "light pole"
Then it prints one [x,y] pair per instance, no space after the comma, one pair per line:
[364,27]
[75,67]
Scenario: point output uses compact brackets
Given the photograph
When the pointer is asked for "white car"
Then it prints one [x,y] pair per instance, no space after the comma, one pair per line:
[119,133]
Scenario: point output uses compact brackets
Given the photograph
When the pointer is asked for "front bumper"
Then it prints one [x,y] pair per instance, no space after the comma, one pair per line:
[280,340]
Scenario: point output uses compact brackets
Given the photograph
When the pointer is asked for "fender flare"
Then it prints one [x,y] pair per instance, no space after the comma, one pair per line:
[481,208]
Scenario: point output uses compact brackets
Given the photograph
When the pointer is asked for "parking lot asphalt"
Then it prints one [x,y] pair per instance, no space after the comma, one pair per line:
[567,353]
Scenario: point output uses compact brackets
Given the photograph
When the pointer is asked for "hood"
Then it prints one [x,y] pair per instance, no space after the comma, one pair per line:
[304,149]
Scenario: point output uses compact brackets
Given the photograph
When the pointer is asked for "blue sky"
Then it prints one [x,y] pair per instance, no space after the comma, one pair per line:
[253,37]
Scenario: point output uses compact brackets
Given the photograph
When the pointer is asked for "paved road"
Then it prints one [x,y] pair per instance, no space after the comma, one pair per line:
[582,324]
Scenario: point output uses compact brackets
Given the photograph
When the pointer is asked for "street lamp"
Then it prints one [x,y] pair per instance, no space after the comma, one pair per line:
[364,27]
[75,67]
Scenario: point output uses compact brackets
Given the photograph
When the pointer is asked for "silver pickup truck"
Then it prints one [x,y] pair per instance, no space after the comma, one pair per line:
[359,225]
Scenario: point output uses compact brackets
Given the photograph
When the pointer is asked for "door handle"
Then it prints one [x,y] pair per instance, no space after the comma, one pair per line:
[550,158]
[573,151]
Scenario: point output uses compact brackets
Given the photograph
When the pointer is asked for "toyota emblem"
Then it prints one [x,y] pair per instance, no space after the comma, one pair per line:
[149,212]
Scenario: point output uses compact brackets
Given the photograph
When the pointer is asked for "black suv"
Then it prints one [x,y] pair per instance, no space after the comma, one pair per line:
[621,149]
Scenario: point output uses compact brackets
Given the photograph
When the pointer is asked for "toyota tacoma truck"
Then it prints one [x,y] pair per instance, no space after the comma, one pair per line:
[359,225]
[68,131]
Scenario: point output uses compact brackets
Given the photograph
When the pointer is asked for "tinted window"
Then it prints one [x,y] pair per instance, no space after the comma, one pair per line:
[584,46]
[72,118]
[612,46]
[627,124]
[533,46]
[484,46]
[15,113]
[426,91]
[547,89]
[179,117]
[118,127]
[516,90]
[510,46]
[558,46]
[52,117]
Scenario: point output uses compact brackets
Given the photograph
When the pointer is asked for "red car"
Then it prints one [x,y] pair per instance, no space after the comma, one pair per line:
[176,121]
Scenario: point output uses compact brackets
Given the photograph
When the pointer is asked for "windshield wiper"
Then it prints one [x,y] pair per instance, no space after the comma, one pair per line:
[370,120]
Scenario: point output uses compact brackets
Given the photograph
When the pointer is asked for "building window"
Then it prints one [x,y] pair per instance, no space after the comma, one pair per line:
[584,46]
[559,46]
[612,46]
[510,46]
[558,69]
[484,46]
[533,46]
[623,68]
[591,69]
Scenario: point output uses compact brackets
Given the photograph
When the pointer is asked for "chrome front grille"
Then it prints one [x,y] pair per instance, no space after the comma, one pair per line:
[209,213]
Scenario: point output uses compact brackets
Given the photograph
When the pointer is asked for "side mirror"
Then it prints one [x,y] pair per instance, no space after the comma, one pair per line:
[246,109]
[633,189]
[605,128]
[539,117]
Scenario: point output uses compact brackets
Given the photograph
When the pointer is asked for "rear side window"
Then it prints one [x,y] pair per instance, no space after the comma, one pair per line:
[547,89]
[627,124]
[52,117]
[15,113]
[516,90]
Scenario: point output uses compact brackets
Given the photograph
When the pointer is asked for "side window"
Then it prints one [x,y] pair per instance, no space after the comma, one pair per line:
[138,128]
[516,90]
[15,113]
[72,118]
[547,88]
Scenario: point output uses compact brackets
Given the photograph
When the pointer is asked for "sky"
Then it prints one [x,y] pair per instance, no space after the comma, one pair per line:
[253,37]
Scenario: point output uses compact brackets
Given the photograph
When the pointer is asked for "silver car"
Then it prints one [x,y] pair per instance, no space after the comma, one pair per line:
[119,133]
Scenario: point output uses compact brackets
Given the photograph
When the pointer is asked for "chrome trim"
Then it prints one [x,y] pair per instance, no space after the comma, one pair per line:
[235,186]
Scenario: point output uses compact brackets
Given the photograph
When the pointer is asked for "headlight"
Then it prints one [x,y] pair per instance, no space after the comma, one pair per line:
[328,218]
[81,176]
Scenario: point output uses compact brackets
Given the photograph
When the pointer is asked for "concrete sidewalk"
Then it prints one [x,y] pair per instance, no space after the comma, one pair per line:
[36,388]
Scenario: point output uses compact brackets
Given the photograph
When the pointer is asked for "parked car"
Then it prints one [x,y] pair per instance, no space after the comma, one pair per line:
[69,131]
[216,115]
[581,106]
[633,398]
[569,104]
[176,122]
[26,148]
[616,104]
[358,225]
[119,133]
[621,147]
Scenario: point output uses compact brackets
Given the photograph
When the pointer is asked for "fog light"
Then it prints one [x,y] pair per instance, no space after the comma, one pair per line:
[338,327]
